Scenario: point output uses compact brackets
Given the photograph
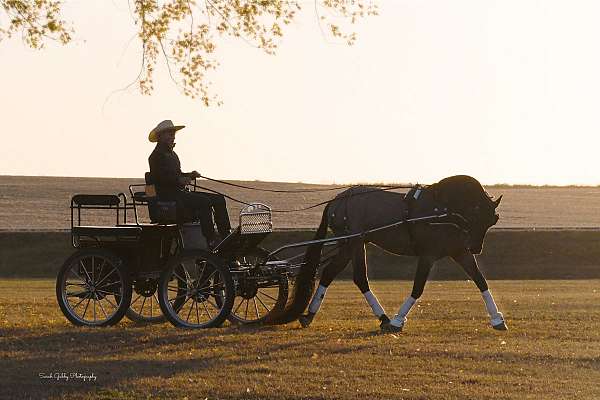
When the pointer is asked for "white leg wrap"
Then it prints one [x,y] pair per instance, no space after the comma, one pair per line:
[490,305]
[374,303]
[317,299]
[400,318]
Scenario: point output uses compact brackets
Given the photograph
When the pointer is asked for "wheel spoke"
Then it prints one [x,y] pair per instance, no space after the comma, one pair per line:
[81,278]
[108,285]
[75,284]
[179,277]
[197,314]
[264,294]
[207,279]
[142,307]
[199,274]
[177,297]
[151,307]
[111,303]
[78,294]
[203,269]
[214,286]
[93,273]
[183,305]
[86,307]
[179,308]
[256,308]
[190,312]
[188,278]
[263,304]
[107,292]
[207,312]
[238,306]
[247,304]
[106,276]
[134,300]
[101,306]
[85,270]
[101,268]
[80,301]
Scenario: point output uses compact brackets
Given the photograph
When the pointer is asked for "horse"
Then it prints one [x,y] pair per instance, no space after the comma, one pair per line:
[466,213]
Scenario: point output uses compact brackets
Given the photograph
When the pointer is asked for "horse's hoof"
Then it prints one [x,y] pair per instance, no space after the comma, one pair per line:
[384,319]
[500,327]
[389,328]
[305,320]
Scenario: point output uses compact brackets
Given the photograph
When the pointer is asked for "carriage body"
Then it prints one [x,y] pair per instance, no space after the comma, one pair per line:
[139,255]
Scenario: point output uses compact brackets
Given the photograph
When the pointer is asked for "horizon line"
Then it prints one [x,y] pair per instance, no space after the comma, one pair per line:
[493,185]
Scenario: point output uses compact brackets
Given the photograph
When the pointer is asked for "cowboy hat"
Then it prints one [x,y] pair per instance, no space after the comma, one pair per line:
[164,126]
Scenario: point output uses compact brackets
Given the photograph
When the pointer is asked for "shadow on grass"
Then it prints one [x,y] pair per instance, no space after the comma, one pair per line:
[24,375]
[25,353]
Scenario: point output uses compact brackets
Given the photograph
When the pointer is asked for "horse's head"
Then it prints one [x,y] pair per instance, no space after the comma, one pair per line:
[481,217]
[464,195]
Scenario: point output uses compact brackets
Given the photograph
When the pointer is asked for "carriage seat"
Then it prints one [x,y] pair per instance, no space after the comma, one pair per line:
[162,212]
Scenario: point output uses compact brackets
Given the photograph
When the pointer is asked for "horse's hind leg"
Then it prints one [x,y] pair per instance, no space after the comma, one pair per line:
[337,265]
[469,264]
[359,264]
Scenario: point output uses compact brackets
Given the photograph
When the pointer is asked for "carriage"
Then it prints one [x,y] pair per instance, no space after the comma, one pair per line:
[129,268]
[164,269]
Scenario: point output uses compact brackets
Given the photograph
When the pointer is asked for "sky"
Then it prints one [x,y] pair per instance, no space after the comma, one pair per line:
[506,91]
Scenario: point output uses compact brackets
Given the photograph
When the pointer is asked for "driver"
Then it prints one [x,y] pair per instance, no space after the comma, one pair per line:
[166,175]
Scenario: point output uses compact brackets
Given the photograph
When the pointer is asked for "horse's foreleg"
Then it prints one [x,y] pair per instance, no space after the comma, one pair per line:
[423,267]
[359,265]
[336,266]
[469,264]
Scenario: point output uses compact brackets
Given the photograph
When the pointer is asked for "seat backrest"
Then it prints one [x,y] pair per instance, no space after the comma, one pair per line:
[160,212]
[150,188]
[95,200]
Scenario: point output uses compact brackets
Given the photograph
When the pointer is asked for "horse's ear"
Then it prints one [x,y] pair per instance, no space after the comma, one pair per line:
[497,201]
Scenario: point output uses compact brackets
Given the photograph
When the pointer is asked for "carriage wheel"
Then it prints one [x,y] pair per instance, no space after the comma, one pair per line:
[196,291]
[93,288]
[258,297]
[144,307]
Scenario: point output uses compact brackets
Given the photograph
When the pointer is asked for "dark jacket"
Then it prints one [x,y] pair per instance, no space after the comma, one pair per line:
[165,171]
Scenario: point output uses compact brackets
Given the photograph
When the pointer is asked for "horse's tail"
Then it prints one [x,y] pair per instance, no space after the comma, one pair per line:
[305,281]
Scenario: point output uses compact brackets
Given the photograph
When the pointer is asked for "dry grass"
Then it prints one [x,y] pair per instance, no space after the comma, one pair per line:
[446,352]
[42,202]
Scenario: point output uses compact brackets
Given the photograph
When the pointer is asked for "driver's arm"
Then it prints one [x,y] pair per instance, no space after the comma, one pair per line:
[190,176]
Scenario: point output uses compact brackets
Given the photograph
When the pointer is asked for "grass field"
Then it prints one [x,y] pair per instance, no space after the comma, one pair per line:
[447,350]
[43,202]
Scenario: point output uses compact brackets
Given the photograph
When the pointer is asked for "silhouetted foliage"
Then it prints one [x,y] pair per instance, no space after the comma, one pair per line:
[185,32]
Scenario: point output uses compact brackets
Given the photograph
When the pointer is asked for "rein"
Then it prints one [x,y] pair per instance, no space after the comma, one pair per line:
[302,190]
[377,188]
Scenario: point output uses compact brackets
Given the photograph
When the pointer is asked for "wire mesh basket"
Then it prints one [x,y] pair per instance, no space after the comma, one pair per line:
[256,218]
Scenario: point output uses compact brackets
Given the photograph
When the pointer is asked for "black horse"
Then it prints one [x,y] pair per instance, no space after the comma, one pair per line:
[471,212]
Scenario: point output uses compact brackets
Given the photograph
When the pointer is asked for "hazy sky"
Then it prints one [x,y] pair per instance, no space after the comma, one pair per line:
[506,91]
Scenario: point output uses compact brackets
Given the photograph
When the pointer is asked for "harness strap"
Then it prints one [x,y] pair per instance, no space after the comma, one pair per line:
[410,198]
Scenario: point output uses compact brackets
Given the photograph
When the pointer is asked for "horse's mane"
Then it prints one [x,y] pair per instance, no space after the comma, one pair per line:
[460,190]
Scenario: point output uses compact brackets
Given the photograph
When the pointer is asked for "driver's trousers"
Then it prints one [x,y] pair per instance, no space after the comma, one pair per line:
[203,204]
